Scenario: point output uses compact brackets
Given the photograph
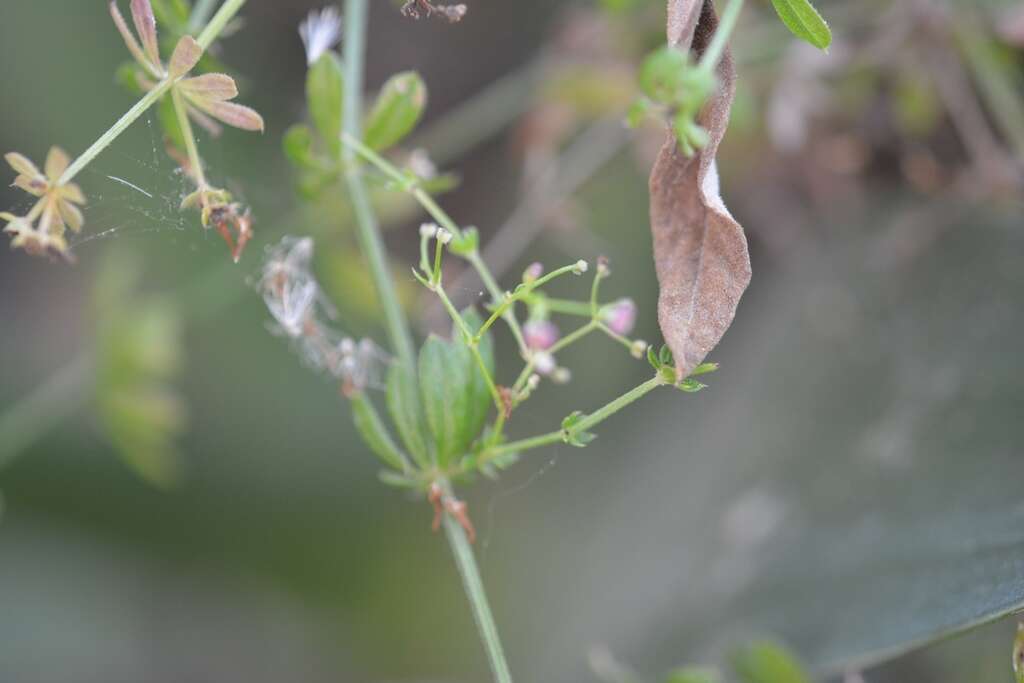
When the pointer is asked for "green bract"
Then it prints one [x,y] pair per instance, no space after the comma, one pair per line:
[397,111]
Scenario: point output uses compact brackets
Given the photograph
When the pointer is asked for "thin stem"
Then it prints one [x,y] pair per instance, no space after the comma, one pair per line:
[220,20]
[133,114]
[588,422]
[190,139]
[200,14]
[508,301]
[474,346]
[474,587]
[34,415]
[726,24]
[368,229]
[443,219]
[227,12]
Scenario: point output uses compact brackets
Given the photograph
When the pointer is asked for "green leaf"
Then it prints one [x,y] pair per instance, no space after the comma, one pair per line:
[691,386]
[694,675]
[466,244]
[638,112]
[324,95]
[456,398]
[398,109]
[375,434]
[570,434]
[390,478]
[298,145]
[404,407]
[444,377]
[127,76]
[768,662]
[804,22]
[171,14]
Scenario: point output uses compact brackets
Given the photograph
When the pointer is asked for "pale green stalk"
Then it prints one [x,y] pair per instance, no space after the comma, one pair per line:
[355,47]
[726,23]
[200,14]
[227,12]
[366,221]
[588,422]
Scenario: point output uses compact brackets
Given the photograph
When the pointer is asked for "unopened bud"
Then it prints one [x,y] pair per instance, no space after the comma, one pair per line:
[580,267]
[620,317]
[533,382]
[534,271]
[443,236]
[428,230]
[638,349]
[540,335]
[603,269]
[561,376]
[544,362]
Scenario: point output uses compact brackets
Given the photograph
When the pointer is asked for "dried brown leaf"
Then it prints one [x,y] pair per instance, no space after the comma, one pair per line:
[700,251]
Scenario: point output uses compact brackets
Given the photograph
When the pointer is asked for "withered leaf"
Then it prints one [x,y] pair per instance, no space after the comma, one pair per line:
[700,251]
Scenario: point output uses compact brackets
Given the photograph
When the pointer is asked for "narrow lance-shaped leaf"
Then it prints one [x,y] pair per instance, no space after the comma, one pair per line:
[397,110]
[406,413]
[324,91]
[700,251]
[371,428]
[478,400]
[804,22]
[443,378]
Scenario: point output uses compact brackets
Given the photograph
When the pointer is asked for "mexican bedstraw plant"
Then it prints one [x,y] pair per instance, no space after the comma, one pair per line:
[449,405]
[204,98]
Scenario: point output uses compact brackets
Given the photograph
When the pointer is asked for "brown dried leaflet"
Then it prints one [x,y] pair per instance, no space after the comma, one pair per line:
[700,251]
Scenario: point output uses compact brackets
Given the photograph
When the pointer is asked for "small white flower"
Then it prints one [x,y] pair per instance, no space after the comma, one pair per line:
[422,165]
[443,236]
[580,267]
[639,348]
[533,382]
[544,362]
[320,32]
[561,376]
[428,230]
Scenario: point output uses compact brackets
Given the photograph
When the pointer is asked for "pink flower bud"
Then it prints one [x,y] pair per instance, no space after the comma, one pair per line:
[620,317]
[534,271]
[540,334]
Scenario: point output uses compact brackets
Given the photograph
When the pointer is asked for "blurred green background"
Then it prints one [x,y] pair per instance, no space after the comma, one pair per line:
[850,483]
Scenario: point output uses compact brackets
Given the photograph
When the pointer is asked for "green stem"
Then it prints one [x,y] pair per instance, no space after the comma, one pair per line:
[355,46]
[368,229]
[508,301]
[474,587]
[227,12]
[200,14]
[443,219]
[219,22]
[190,139]
[133,114]
[473,344]
[589,422]
[726,23]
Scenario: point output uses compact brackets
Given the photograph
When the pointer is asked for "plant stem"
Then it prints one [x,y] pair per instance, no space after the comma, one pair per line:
[190,140]
[227,12]
[51,402]
[133,114]
[713,54]
[368,229]
[220,20]
[588,422]
[474,587]
[200,14]
[369,236]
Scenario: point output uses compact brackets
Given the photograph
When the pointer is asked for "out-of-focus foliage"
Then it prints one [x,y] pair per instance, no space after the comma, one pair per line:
[139,354]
